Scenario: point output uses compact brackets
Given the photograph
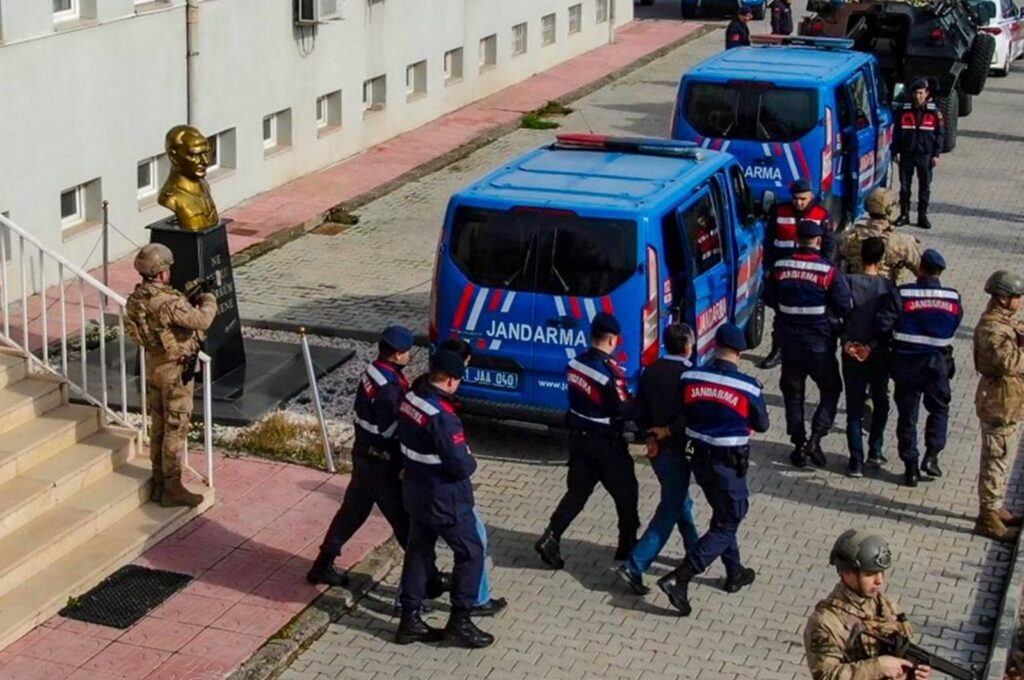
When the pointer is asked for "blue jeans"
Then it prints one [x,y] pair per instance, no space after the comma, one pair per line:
[675,509]
[484,596]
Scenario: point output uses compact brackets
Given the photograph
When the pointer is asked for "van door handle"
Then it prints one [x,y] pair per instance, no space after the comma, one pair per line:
[562,322]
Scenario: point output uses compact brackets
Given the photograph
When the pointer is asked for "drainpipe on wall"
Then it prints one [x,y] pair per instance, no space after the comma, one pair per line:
[191,52]
[611,22]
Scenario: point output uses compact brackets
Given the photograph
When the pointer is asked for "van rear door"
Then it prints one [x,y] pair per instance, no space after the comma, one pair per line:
[485,287]
[858,123]
[586,265]
[773,131]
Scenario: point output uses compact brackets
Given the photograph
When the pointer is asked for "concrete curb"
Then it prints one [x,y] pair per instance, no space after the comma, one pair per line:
[1006,623]
[287,234]
[277,653]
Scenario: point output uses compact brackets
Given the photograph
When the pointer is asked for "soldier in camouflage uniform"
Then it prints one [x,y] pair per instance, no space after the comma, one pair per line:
[170,329]
[835,649]
[999,358]
[902,251]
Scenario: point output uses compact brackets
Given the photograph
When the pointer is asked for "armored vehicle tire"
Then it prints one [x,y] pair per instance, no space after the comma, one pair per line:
[754,331]
[979,61]
[950,107]
[966,103]
[688,11]
[759,11]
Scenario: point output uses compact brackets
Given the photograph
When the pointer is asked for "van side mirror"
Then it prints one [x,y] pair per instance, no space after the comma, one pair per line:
[767,201]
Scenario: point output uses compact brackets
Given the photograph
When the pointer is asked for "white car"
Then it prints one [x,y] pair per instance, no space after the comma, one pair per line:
[1007,26]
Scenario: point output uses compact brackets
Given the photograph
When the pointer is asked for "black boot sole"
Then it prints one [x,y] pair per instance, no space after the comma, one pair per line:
[467,643]
[408,639]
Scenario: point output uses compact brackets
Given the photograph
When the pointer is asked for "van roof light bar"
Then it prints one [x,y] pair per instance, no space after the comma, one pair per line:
[803,41]
[639,145]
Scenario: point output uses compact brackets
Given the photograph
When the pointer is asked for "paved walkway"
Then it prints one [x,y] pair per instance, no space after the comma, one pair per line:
[248,556]
[578,623]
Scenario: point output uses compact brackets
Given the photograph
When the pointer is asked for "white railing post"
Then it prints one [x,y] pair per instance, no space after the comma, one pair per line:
[142,392]
[24,294]
[103,356]
[84,348]
[124,361]
[4,231]
[207,416]
[43,301]
[63,322]
[325,438]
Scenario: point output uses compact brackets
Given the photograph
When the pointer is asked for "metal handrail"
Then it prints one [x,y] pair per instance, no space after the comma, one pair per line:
[204,360]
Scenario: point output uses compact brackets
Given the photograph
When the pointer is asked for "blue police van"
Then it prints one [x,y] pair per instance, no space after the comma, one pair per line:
[791,108]
[645,229]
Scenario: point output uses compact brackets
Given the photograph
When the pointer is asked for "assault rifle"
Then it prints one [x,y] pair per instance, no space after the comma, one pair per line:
[900,646]
[203,284]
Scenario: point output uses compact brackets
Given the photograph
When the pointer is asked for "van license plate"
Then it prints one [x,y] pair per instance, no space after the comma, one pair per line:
[485,377]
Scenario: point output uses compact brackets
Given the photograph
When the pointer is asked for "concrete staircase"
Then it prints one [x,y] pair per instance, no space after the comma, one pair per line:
[73,498]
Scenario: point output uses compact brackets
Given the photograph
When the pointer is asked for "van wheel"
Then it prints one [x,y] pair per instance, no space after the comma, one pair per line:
[754,331]
[979,60]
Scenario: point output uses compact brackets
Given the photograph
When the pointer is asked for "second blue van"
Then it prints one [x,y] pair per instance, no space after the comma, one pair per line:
[646,229]
[793,108]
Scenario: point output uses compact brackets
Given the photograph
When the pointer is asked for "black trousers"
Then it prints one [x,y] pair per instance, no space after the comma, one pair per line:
[860,379]
[921,165]
[921,379]
[600,458]
[798,365]
[374,481]
[461,536]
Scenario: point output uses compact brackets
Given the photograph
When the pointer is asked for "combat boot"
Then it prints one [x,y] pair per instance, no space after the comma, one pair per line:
[156,492]
[990,526]
[922,218]
[904,218]
[1009,519]
[911,475]
[930,466]
[743,578]
[676,584]
[176,495]
[323,572]
[549,550]
[797,456]
[462,632]
[412,628]
[773,359]
[814,452]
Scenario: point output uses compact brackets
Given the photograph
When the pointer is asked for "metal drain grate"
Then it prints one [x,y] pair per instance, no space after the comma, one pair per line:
[126,596]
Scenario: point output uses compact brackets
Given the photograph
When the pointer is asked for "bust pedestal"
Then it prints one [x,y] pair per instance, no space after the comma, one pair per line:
[201,254]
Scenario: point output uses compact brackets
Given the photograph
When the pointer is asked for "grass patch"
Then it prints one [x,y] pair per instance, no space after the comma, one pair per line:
[553,108]
[284,437]
[534,121]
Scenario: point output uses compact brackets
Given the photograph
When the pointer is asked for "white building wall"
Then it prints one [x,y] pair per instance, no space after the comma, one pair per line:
[93,100]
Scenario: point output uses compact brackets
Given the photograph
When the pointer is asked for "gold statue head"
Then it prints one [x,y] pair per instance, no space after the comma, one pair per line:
[186,192]
[188,151]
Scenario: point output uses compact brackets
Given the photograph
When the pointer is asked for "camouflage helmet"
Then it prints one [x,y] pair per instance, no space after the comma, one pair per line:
[1005,284]
[880,201]
[153,259]
[860,551]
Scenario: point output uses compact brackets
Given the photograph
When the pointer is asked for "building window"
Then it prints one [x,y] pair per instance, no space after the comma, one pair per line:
[519,39]
[602,11]
[488,52]
[277,131]
[416,79]
[453,65]
[80,207]
[222,154]
[146,178]
[72,206]
[547,29]
[65,10]
[374,94]
[575,19]
[328,113]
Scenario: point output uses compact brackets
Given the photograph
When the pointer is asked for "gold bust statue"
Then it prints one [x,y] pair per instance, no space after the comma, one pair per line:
[186,192]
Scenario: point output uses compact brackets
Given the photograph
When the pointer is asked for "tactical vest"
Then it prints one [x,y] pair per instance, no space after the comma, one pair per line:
[928,320]
[143,324]
[786,222]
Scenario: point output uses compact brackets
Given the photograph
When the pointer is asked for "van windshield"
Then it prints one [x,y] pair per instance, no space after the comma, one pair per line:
[549,251]
[751,111]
